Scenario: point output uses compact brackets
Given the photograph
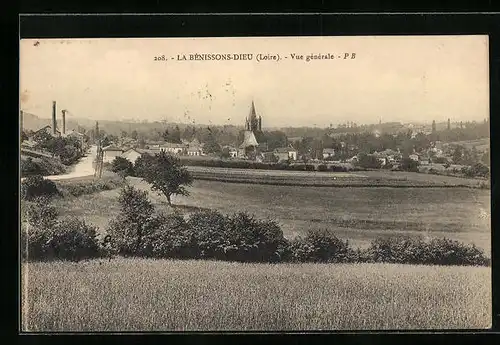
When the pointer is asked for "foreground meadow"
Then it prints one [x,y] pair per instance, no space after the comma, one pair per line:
[163,295]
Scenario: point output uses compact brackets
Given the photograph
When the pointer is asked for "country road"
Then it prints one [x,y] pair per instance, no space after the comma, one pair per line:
[83,168]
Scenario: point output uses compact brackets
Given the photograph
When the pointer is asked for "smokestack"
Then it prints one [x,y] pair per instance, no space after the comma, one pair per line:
[54,123]
[64,122]
[21,120]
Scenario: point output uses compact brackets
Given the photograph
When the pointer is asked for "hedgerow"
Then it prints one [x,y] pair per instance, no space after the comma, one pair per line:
[138,230]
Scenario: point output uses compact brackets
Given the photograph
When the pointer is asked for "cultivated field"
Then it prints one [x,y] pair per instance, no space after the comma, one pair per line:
[359,214]
[161,295]
[374,178]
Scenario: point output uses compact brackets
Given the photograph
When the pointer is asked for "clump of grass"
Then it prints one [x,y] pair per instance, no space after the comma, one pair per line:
[164,295]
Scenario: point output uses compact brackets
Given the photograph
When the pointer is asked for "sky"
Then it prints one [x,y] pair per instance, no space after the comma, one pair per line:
[391,78]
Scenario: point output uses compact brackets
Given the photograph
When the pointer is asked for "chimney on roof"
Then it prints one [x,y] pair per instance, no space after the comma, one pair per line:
[64,121]
[54,123]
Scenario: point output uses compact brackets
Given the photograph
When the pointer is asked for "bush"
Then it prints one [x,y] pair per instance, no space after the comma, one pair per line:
[408,164]
[134,222]
[250,240]
[169,237]
[122,166]
[322,167]
[319,246]
[399,249]
[477,170]
[37,219]
[29,167]
[443,251]
[409,250]
[73,239]
[43,237]
[209,229]
[37,186]
[368,161]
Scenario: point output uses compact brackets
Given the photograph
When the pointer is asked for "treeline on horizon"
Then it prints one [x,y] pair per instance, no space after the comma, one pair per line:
[307,140]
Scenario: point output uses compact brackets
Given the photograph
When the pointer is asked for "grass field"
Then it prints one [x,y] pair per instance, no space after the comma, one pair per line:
[161,295]
[357,214]
[375,178]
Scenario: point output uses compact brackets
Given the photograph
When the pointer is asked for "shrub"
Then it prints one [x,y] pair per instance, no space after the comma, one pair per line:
[209,231]
[134,222]
[408,164]
[409,250]
[37,186]
[368,161]
[73,239]
[322,167]
[398,249]
[43,237]
[319,245]
[443,251]
[250,240]
[477,170]
[169,237]
[37,219]
[29,167]
[122,166]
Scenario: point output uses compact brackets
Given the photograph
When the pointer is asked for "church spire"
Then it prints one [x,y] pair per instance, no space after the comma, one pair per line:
[253,115]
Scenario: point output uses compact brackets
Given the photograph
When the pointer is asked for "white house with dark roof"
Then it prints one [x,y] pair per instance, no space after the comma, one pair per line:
[110,152]
[286,153]
[132,154]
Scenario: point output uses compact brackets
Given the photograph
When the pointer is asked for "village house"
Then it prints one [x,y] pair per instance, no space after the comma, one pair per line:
[173,148]
[110,152]
[132,154]
[286,153]
[328,153]
[48,130]
[233,152]
[194,148]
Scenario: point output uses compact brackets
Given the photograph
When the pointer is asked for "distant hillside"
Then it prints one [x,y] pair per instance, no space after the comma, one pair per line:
[33,122]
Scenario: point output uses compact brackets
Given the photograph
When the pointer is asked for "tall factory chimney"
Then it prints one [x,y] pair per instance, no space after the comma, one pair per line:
[63,121]
[21,120]
[54,123]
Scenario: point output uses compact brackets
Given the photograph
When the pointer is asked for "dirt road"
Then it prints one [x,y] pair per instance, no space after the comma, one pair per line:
[85,167]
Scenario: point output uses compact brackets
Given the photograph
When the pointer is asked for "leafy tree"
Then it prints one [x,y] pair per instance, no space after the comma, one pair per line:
[122,166]
[167,175]
[274,139]
[133,222]
[211,146]
[408,164]
[368,161]
[134,134]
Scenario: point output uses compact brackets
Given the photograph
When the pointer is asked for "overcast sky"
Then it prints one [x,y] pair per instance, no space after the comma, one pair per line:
[398,78]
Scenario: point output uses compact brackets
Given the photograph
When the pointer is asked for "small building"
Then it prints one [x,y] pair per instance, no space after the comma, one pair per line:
[286,153]
[194,148]
[47,129]
[110,152]
[328,153]
[174,148]
[233,152]
[132,154]
[80,137]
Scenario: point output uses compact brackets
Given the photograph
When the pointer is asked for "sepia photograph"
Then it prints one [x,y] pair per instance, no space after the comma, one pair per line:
[255,184]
